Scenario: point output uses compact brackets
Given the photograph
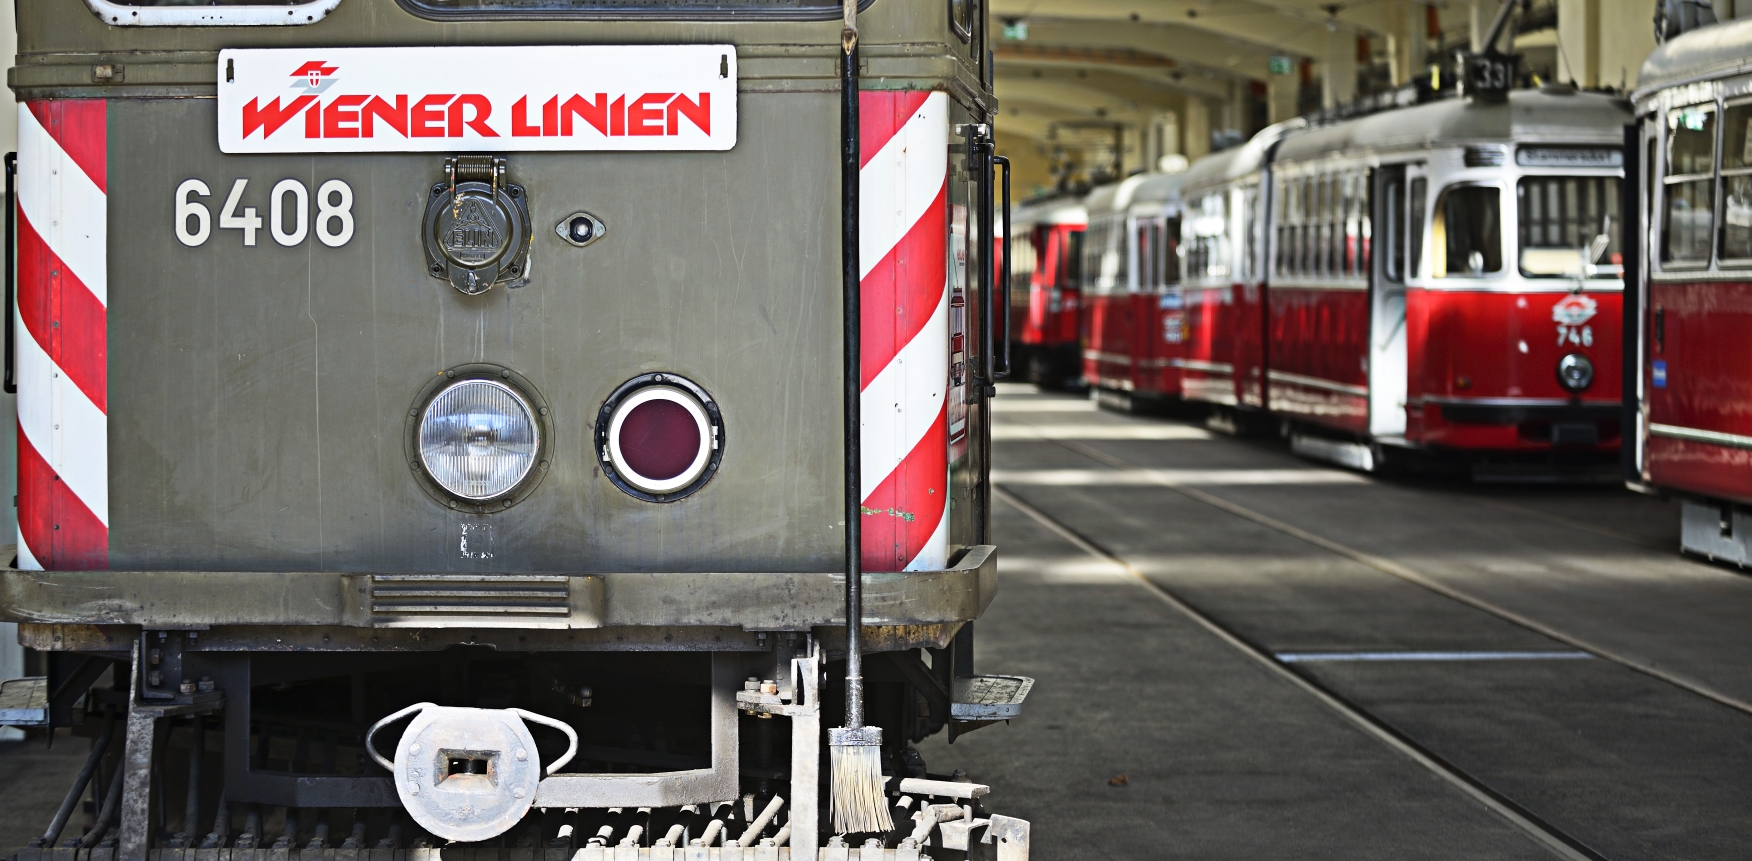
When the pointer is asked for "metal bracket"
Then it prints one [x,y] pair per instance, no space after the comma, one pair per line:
[134,834]
[720,782]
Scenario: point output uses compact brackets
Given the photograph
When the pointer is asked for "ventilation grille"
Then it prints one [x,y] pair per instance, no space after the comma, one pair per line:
[436,598]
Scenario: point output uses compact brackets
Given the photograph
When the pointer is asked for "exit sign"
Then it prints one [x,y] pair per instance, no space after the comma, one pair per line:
[1278,64]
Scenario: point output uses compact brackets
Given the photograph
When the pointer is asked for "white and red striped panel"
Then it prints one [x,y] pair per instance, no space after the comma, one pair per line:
[903,243]
[62,335]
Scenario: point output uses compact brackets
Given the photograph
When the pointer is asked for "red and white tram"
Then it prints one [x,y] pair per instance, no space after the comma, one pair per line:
[1448,276]
[1693,365]
[1134,328]
[1046,242]
[1441,278]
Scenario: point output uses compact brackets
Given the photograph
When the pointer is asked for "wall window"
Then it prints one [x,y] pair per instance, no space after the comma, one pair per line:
[1468,232]
[1560,216]
[1688,221]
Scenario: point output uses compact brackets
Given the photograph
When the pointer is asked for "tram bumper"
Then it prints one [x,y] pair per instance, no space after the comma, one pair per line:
[174,600]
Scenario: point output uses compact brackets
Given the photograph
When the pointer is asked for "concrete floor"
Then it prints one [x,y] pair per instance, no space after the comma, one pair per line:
[1225,760]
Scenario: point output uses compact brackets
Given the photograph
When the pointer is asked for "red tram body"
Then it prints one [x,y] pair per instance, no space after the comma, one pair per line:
[1691,373]
[1442,278]
[1134,331]
[1046,301]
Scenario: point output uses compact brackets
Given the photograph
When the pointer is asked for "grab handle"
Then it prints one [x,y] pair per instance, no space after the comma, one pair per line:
[571,734]
[372,749]
[571,737]
[11,379]
[1002,371]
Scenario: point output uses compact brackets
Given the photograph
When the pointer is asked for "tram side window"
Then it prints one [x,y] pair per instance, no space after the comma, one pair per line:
[1091,258]
[1071,260]
[1146,254]
[1250,263]
[1287,228]
[1737,184]
[1392,228]
[1171,253]
[1560,216]
[1414,231]
[1468,232]
[1688,222]
[1206,258]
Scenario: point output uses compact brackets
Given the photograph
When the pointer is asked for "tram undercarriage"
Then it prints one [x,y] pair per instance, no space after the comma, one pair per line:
[672,737]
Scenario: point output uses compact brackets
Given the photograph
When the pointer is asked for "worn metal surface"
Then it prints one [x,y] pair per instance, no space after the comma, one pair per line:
[772,601]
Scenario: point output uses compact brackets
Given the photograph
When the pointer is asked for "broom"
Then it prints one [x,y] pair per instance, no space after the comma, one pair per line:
[854,750]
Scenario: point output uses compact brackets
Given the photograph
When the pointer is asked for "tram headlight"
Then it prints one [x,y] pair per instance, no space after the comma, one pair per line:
[1575,372]
[478,439]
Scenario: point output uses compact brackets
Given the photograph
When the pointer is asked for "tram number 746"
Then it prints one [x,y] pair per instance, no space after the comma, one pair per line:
[289,220]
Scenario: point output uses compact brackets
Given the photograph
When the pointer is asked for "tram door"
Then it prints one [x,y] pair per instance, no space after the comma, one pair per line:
[1387,370]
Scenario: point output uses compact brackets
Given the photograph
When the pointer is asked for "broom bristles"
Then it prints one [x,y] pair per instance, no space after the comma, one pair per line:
[857,801]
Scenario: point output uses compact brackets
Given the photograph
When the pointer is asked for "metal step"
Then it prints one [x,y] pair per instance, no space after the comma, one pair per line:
[985,698]
[24,702]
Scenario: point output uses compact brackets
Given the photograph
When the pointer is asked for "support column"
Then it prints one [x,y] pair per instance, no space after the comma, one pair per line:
[1196,134]
[1625,42]
[1283,91]
[1578,42]
[1483,14]
[1338,75]
[1407,40]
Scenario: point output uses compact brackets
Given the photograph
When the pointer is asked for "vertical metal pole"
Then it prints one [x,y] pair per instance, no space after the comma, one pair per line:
[851,280]
[1630,235]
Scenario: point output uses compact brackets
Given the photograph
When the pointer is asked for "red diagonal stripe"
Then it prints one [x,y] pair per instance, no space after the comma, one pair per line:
[881,113]
[63,315]
[902,291]
[62,533]
[902,513]
[80,126]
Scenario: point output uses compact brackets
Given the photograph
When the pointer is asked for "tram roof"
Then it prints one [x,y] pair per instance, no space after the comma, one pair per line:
[1116,196]
[1159,188]
[1238,161]
[1058,209]
[1527,115]
[1716,51]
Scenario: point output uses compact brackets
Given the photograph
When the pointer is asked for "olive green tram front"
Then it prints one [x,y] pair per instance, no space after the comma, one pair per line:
[419,377]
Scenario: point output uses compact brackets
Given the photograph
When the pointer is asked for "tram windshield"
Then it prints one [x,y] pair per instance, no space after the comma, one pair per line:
[1468,232]
[1560,217]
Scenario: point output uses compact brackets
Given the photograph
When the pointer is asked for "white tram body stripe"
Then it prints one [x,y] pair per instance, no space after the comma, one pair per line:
[1699,435]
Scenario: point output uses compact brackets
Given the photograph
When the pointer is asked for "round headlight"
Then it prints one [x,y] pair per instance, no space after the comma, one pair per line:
[1575,372]
[478,439]
[660,437]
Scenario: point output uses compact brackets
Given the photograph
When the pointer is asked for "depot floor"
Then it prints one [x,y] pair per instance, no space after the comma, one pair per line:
[1244,655]
[1391,669]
